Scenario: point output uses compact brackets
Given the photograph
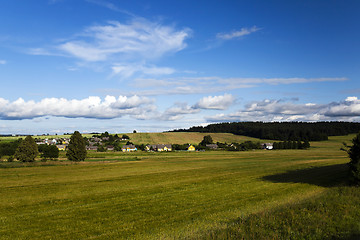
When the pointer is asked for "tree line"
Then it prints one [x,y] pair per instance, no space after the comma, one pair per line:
[283,131]
[26,150]
[291,145]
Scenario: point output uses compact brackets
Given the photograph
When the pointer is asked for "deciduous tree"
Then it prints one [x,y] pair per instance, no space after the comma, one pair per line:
[206,140]
[49,151]
[27,150]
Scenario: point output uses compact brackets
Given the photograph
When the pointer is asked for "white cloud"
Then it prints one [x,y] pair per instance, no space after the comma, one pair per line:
[91,107]
[110,6]
[348,108]
[237,34]
[3,62]
[178,111]
[279,110]
[136,39]
[216,102]
[128,70]
[196,85]
[40,51]
[276,81]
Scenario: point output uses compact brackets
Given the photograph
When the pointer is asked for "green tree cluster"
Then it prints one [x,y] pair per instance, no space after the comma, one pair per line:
[48,151]
[9,148]
[206,140]
[77,148]
[283,131]
[291,145]
[27,150]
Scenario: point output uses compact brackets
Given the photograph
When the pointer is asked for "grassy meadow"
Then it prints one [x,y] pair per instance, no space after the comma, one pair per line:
[283,194]
[163,138]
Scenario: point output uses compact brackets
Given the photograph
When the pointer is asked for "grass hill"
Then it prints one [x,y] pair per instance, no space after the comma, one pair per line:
[185,137]
[160,138]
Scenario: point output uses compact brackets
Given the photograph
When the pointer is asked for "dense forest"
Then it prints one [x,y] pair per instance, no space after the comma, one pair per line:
[284,131]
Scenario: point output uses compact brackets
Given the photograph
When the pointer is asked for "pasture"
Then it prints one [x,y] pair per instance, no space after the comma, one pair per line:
[179,195]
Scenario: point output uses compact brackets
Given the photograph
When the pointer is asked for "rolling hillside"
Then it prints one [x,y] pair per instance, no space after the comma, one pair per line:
[185,137]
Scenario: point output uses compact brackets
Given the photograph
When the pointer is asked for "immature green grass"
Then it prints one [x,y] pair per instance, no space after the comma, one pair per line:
[177,195]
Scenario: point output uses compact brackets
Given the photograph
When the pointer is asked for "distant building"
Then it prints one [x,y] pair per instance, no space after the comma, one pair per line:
[61,147]
[159,147]
[95,148]
[128,148]
[268,146]
[212,146]
[191,148]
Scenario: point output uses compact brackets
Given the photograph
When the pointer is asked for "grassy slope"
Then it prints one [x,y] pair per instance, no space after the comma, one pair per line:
[163,195]
[183,137]
[162,138]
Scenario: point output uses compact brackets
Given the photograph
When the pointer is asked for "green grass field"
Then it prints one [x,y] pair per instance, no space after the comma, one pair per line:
[162,138]
[285,194]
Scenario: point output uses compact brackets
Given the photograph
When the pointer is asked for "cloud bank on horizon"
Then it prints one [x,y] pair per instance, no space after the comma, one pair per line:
[144,108]
[154,70]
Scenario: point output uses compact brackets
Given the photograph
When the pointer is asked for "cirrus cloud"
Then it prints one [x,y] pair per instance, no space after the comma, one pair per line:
[137,39]
[237,34]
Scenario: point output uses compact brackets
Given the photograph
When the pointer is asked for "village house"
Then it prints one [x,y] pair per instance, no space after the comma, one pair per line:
[159,147]
[268,146]
[128,148]
[61,147]
[212,146]
[191,148]
[95,148]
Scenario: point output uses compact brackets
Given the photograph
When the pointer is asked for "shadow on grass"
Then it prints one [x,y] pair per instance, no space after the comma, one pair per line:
[326,176]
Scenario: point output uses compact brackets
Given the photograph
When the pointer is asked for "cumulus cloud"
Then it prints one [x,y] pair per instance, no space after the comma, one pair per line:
[91,107]
[348,108]
[138,38]
[215,102]
[237,34]
[280,110]
[178,111]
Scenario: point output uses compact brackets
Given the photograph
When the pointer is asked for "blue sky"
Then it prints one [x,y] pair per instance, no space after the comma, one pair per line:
[106,65]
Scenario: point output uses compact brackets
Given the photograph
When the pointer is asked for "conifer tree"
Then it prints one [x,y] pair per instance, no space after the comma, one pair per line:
[27,150]
[77,148]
